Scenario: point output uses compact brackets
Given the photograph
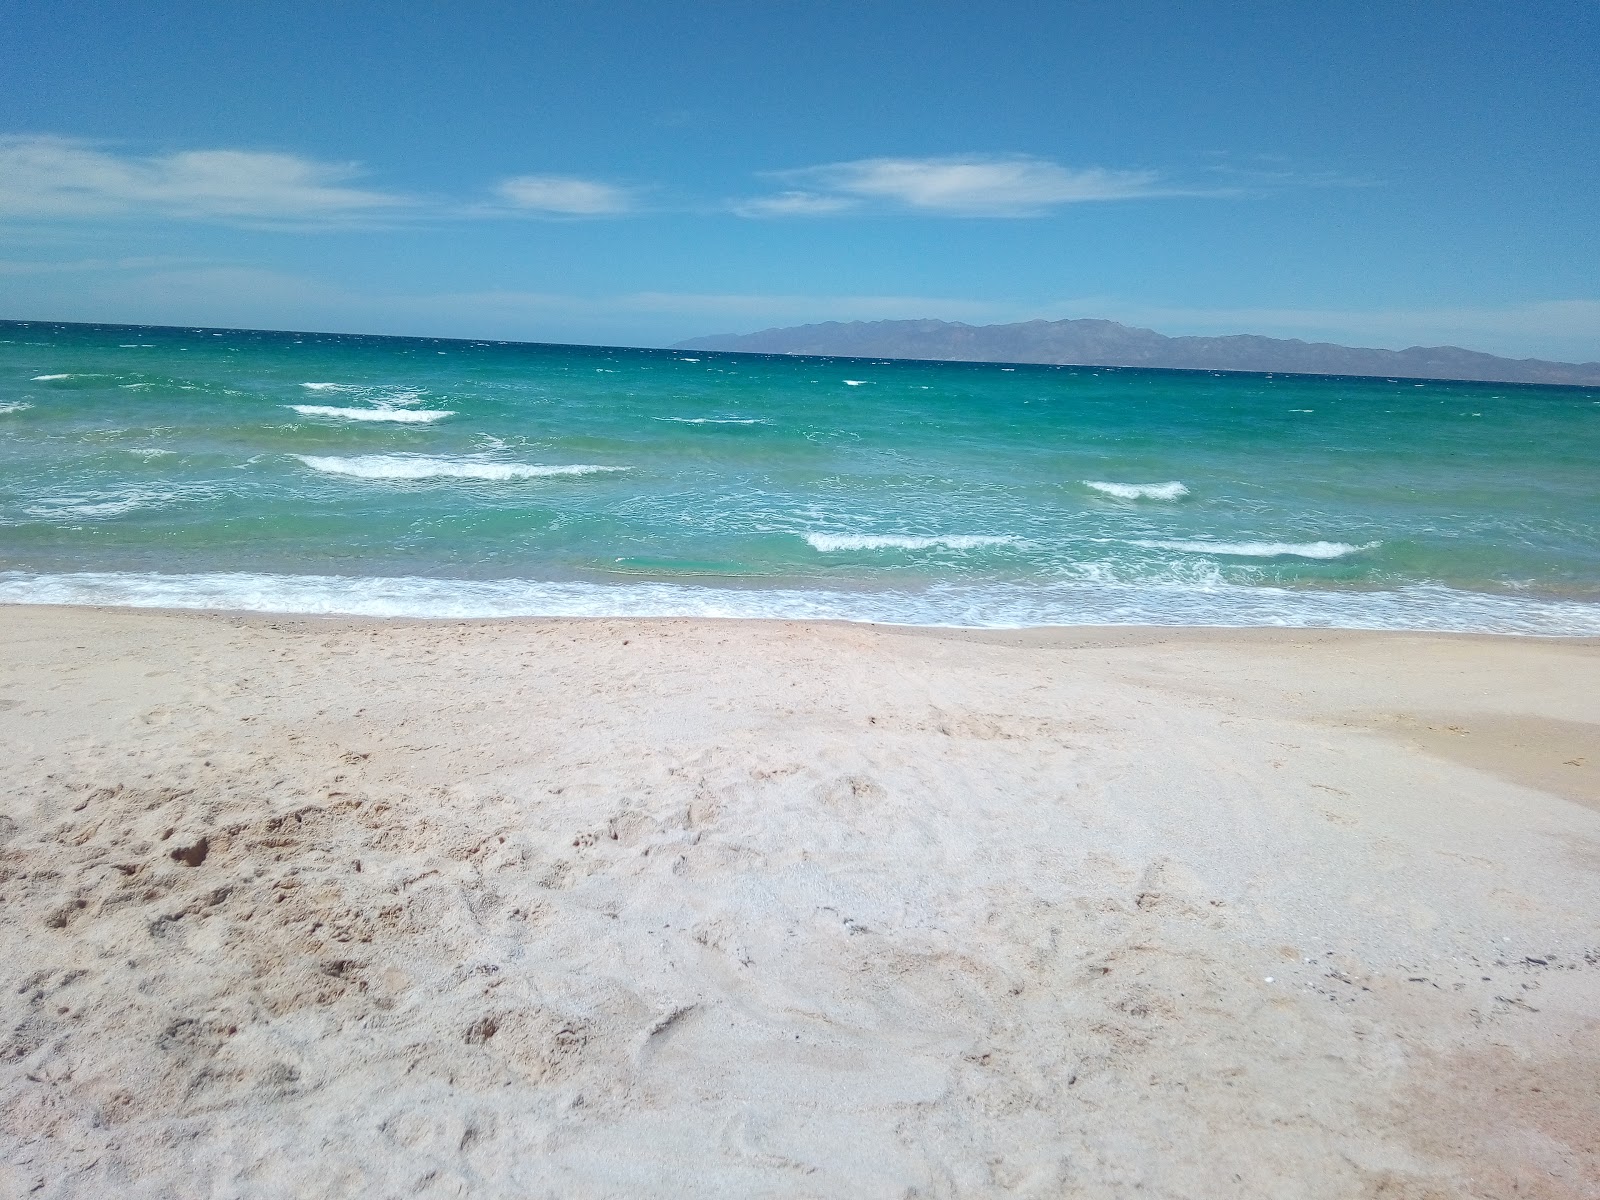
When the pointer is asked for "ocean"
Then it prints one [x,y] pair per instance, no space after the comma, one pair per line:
[322,473]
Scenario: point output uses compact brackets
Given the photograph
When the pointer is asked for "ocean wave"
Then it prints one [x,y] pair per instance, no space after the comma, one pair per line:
[980,606]
[854,382]
[67,375]
[381,394]
[1139,491]
[396,466]
[97,506]
[148,452]
[410,416]
[1261,549]
[15,406]
[714,420]
[830,543]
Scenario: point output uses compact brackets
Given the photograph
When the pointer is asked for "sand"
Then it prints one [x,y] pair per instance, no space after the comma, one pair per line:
[686,908]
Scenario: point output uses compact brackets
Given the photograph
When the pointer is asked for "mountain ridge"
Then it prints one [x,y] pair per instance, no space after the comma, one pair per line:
[1095,342]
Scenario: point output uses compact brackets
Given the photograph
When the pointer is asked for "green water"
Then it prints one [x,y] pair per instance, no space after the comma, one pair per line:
[192,467]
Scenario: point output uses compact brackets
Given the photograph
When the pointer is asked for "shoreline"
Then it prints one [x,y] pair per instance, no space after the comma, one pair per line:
[974,632]
[602,906]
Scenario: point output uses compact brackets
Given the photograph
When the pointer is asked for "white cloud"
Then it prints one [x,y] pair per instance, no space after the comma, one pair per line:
[1015,186]
[793,204]
[563,195]
[54,177]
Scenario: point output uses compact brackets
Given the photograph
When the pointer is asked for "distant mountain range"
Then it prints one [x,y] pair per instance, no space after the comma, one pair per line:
[1109,344]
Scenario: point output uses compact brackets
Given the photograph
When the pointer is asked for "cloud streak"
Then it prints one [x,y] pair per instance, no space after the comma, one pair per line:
[965,186]
[44,177]
[54,177]
[563,195]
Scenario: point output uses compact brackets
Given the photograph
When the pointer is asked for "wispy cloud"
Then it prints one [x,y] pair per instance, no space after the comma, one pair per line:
[96,265]
[794,204]
[55,177]
[967,186]
[563,195]
[46,177]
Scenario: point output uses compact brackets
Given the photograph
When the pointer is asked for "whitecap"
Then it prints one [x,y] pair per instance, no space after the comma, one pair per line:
[103,504]
[16,406]
[410,416]
[378,394]
[989,605]
[831,543]
[1261,549]
[397,466]
[1139,491]
[854,382]
[52,378]
[714,420]
[148,452]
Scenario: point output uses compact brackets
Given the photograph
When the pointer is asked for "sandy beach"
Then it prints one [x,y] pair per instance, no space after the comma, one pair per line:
[325,907]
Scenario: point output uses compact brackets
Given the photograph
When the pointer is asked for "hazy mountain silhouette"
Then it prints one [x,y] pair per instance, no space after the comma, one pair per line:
[1107,343]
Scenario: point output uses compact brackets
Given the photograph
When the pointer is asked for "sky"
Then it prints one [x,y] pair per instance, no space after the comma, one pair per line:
[639,173]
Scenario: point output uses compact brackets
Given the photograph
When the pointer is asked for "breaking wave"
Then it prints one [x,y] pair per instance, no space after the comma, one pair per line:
[830,543]
[397,466]
[714,420]
[1261,549]
[409,416]
[984,606]
[1139,491]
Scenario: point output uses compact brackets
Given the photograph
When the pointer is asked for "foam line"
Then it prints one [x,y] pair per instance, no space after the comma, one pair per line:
[396,466]
[1139,491]
[408,416]
[831,543]
[1261,549]
[982,606]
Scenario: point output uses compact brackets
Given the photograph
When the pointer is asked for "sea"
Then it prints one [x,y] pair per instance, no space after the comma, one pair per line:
[422,477]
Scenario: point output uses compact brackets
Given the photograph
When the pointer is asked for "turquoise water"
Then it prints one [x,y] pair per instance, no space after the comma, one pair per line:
[326,473]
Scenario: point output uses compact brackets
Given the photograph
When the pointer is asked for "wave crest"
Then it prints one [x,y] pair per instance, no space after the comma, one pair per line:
[992,606]
[1261,549]
[1139,491]
[396,466]
[830,543]
[714,420]
[409,416]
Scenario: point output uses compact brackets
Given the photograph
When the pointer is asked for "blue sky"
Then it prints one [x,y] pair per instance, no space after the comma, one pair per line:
[640,173]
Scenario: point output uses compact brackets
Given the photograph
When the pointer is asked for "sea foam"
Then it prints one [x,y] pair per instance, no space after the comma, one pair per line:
[831,543]
[982,606]
[396,466]
[1261,549]
[100,505]
[374,393]
[1139,491]
[16,406]
[408,416]
[714,420]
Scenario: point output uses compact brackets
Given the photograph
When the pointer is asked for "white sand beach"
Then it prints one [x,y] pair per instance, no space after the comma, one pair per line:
[317,907]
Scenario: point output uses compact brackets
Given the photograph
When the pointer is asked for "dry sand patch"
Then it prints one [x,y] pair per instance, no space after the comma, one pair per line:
[623,908]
